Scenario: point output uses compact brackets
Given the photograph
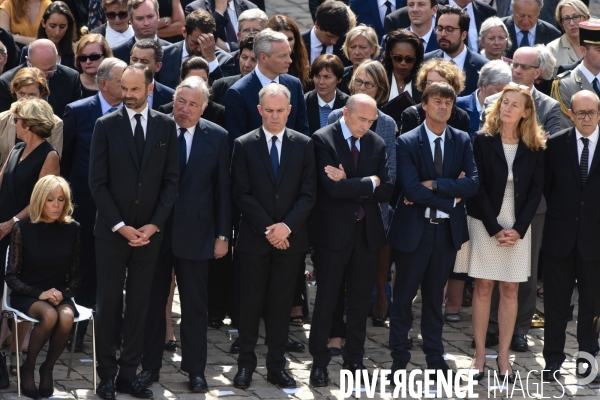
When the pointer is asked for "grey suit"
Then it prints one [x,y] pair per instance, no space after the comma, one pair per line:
[566,85]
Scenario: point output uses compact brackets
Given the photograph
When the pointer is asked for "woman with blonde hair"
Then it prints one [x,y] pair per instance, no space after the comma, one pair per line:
[566,49]
[361,44]
[91,50]
[43,273]
[510,163]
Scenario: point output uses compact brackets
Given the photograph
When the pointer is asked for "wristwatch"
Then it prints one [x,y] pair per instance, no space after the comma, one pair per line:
[166,21]
[434,185]
[223,238]
[15,219]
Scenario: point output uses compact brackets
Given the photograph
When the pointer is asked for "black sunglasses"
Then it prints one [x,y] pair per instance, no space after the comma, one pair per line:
[93,57]
[112,15]
[408,59]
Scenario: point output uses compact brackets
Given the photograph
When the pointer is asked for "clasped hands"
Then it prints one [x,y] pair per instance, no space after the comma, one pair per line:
[507,237]
[277,234]
[52,296]
[337,174]
[429,185]
[138,237]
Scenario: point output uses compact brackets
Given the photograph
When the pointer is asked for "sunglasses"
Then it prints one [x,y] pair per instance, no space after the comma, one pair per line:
[112,15]
[408,59]
[92,57]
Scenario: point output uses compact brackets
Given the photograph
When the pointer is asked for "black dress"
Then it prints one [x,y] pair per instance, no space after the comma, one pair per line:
[43,256]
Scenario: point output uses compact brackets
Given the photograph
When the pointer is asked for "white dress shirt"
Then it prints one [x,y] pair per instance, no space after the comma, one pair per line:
[348,136]
[189,137]
[459,60]
[233,17]
[151,97]
[593,141]
[264,81]
[214,64]
[322,102]
[394,88]
[588,74]
[472,35]
[104,104]
[432,137]
[530,36]
[316,46]
[427,36]
[383,8]
[113,37]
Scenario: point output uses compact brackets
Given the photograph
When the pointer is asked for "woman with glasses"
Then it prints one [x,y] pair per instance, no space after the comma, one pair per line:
[300,66]
[402,59]
[91,50]
[15,17]
[361,44]
[494,39]
[566,49]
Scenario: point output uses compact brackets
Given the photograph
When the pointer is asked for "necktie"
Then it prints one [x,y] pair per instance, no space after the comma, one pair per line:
[229,31]
[323,49]
[138,136]
[112,109]
[596,86]
[324,114]
[525,40]
[274,157]
[182,150]
[388,8]
[355,155]
[438,163]
[583,163]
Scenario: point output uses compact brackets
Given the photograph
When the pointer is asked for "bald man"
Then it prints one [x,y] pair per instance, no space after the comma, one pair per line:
[63,82]
[353,178]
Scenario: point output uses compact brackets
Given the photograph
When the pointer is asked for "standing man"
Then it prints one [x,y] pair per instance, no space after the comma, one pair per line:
[353,178]
[116,29]
[418,16]
[570,244]
[79,120]
[332,22]
[274,187]
[373,12]
[430,222]
[196,231]
[478,12]
[149,53]
[134,170]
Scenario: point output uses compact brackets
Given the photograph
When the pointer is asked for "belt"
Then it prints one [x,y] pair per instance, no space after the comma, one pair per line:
[437,221]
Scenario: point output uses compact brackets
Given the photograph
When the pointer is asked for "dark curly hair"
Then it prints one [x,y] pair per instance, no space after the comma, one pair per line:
[403,36]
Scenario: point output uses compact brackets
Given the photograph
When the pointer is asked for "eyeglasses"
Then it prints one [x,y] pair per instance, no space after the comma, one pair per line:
[92,57]
[408,59]
[567,20]
[494,39]
[524,67]
[121,14]
[448,29]
[582,114]
[47,74]
[359,82]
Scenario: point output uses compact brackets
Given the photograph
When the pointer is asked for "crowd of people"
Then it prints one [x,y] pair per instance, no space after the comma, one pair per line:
[442,145]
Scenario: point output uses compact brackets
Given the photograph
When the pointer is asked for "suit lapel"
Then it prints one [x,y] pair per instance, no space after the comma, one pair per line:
[470,69]
[497,146]
[344,149]
[195,152]
[595,161]
[125,128]
[263,150]
[338,103]
[449,146]
[287,145]
[366,147]
[95,109]
[312,106]
[573,154]
[375,12]
[426,151]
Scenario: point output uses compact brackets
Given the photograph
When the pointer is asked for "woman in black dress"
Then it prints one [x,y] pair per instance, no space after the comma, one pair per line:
[43,273]
[91,50]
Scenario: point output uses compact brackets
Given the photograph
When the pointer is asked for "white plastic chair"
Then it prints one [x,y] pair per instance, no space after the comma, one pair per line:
[18,316]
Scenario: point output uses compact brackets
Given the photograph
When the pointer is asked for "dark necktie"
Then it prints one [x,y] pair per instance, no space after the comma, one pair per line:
[323,49]
[388,8]
[182,150]
[439,167]
[274,157]
[583,163]
[525,40]
[355,156]
[229,31]
[596,86]
[138,136]
[111,110]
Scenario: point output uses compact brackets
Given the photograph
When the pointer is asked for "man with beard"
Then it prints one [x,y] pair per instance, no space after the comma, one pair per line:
[452,28]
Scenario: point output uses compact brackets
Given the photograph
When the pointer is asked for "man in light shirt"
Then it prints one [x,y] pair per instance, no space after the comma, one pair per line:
[116,29]
[327,36]
[419,16]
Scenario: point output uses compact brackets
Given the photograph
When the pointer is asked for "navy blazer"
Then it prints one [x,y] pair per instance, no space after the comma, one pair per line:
[415,165]
[473,64]
[123,50]
[469,104]
[544,34]
[367,12]
[241,113]
[162,95]
[399,19]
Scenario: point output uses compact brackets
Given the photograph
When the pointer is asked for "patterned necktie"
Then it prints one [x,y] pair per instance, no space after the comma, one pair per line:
[274,157]
[112,109]
[355,156]
[229,31]
[324,114]
[182,150]
[583,162]
[438,163]
[138,136]
[525,40]
[596,86]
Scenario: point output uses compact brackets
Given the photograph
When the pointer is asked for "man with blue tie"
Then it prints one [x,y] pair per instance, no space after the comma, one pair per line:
[79,120]
[437,173]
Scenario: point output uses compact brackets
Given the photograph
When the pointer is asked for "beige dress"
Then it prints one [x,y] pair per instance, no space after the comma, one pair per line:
[481,257]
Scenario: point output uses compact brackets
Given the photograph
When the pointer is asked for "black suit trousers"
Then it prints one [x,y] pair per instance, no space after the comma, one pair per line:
[429,267]
[220,287]
[358,264]
[560,275]
[118,263]
[191,281]
[266,279]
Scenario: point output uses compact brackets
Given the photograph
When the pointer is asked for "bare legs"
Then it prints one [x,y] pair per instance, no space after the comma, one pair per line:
[454,294]
[482,297]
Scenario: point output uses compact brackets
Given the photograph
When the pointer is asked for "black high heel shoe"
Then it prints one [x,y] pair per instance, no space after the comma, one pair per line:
[31,393]
[479,376]
[45,391]
[511,377]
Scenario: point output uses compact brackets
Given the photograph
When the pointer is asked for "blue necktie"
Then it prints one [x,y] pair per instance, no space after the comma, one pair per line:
[274,157]
[111,110]
[525,40]
[182,150]
[324,114]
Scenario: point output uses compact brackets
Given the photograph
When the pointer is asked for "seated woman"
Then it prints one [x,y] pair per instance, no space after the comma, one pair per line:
[402,59]
[91,50]
[494,39]
[43,273]
[22,18]
[566,49]
[58,25]
[361,44]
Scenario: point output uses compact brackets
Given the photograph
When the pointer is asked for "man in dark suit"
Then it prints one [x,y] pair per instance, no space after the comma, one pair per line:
[63,82]
[116,29]
[478,12]
[144,18]
[275,187]
[525,28]
[418,17]
[246,64]
[150,53]
[452,27]
[347,228]
[569,246]
[79,120]
[373,12]
[430,223]
[197,230]
[329,33]
[199,40]
[134,171]
[241,115]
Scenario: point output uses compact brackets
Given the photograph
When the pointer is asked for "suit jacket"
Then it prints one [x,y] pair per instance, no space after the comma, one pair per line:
[312,108]
[414,116]
[123,50]
[136,192]
[213,112]
[13,52]
[399,19]
[415,164]
[236,60]
[242,116]
[221,86]
[162,95]
[367,12]
[528,174]
[64,86]
[264,200]
[67,61]
[544,34]
[565,86]
[568,67]
[337,47]
[481,10]
[469,104]
[101,30]
[473,64]
[502,7]
[171,68]
[572,218]
[202,209]
[334,216]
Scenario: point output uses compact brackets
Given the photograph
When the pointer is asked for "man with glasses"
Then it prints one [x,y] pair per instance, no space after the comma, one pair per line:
[116,29]
[418,16]
[250,22]
[63,82]
[452,28]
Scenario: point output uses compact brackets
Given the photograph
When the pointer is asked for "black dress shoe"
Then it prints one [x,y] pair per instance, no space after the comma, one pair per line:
[106,389]
[490,341]
[396,366]
[215,323]
[319,376]
[198,383]
[45,390]
[281,379]
[441,369]
[582,372]
[147,378]
[551,372]
[235,348]
[379,321]
[519,343]
[294,347]
[133,388]
[510,378]
[243,378]
[171,345]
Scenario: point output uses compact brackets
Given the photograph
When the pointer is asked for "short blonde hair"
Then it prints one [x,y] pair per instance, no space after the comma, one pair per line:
[368,33]
[377,72]
[28,76]
[578,5]
[446,69]
[37,114]
[45,188]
